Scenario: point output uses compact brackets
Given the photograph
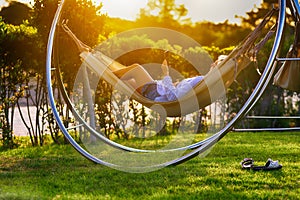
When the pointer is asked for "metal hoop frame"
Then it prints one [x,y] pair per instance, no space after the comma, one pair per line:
[199,147]
[268,129]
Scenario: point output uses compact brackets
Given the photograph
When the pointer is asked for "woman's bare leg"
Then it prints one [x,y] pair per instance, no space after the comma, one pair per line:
[135,72]
[80,45]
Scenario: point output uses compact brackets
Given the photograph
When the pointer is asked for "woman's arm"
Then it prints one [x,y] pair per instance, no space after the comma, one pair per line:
[165,68]
[166,87]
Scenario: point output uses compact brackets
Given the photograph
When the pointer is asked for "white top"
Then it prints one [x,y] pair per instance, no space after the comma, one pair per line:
[169,92]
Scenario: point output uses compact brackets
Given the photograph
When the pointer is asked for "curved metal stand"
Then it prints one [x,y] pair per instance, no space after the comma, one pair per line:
[197,148]
[268,129]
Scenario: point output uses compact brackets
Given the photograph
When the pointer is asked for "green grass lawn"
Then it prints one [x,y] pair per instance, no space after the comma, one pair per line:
[59,172]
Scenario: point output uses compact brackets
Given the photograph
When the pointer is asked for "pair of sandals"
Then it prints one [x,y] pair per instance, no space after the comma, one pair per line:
[248,163]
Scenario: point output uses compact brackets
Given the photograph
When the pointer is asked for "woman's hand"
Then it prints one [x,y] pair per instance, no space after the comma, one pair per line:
[165,68]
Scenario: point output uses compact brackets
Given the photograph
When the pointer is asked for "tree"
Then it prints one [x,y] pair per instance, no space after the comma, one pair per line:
[254,16]
[86,21]
[275,101]
[165,13]
[15,13]
[14,40]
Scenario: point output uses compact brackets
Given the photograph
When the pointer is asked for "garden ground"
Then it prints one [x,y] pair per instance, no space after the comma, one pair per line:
[59,172]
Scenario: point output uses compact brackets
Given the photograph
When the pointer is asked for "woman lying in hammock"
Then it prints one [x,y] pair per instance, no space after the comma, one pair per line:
[137,77]
[158,90]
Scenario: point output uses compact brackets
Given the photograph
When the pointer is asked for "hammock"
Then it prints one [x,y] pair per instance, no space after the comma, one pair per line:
[212,87]
[288,75]
[209,89]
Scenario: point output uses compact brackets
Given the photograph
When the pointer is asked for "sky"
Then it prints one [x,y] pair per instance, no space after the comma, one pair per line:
[199,10]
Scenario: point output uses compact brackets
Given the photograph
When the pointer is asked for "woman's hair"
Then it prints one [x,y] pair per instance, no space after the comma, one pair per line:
[149,91]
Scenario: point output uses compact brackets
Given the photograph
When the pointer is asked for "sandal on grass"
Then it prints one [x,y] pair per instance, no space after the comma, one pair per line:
[270,165]
[248,163]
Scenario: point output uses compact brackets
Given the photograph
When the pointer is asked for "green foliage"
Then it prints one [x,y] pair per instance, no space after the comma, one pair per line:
[254,16]
[13,40]
[221,35]
[167,13]
[215,51]
[10,92]
[143,49]
[87,23]
[16,32]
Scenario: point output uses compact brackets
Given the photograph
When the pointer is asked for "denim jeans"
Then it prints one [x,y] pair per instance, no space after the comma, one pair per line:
[149,91]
